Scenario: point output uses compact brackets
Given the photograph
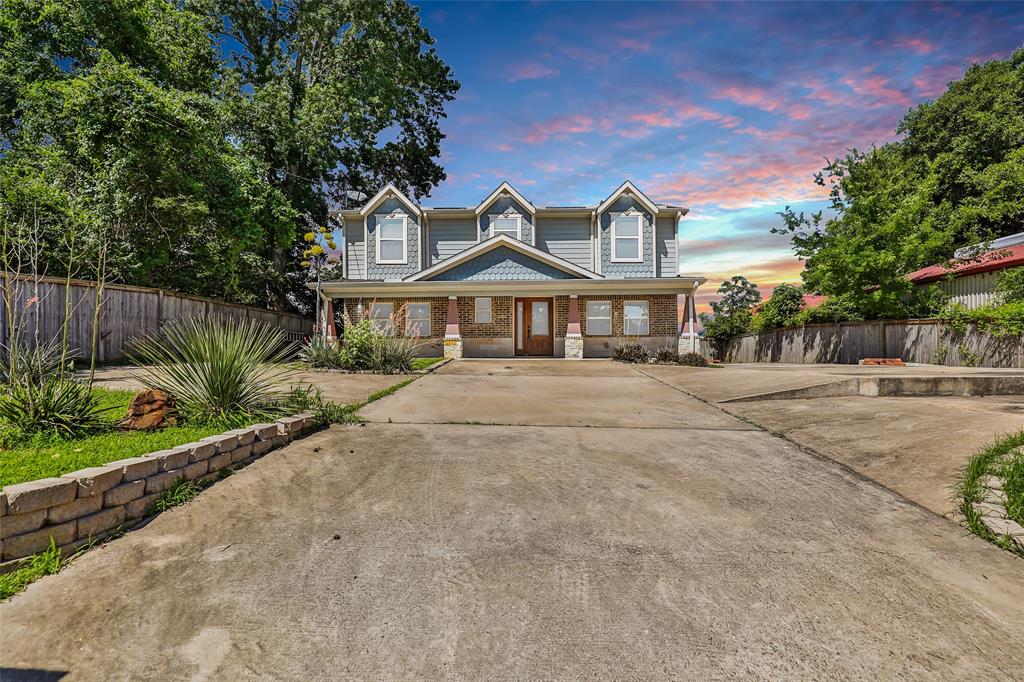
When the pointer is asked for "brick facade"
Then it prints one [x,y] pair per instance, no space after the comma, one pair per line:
[663,310]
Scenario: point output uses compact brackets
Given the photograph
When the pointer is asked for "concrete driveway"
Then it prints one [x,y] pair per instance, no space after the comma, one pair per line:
[583,520]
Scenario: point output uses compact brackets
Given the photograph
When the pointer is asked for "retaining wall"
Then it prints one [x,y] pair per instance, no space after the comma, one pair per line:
[87,505]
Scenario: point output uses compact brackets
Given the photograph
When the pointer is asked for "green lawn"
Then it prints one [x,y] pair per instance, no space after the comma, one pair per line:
[423,363]
[55,458]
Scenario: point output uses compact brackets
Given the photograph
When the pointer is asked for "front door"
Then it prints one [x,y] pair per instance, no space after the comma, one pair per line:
[535,326]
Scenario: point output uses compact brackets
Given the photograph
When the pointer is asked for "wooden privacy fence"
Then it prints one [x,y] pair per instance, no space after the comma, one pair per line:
[922,341]
[128,312]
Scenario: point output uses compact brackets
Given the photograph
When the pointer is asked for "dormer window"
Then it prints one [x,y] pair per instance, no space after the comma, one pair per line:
[627,238]
[510,224]
[393,240]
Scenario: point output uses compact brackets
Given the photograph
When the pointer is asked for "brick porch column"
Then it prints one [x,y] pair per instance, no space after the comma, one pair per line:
[452,336]
[573,335]
[687,327]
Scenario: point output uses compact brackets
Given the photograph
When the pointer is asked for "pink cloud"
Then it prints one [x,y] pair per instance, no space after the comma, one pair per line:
[931,81]
[749,96]
[529,71]
[915,44]
[878,87]
[560,126]
[504,147]
[634,44]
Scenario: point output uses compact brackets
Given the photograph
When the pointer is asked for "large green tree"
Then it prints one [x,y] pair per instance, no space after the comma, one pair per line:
[954,178]
[194,141]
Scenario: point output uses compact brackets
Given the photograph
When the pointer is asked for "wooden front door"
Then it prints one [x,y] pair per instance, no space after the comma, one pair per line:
[535,326]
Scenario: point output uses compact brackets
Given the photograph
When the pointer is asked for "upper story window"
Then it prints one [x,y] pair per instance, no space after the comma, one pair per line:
[393,240]
[512,225]
[627,239]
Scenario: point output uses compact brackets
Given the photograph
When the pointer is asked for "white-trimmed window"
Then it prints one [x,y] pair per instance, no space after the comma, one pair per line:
[635,318]
[512,225]
[599,318]
[627,239]
[382,316]
[393,240]
[417,319]
[482,309]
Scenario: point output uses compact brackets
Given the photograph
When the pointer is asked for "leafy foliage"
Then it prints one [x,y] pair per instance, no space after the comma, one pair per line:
[390,354]
[631,352]
[693,360]
[34,363]
[1010,285]
[955,178]
[832,309]
[318,353]
[207,161]
[667,354]
[731,315]
[58,408]
[217,370]
[1002,321]
[780,310]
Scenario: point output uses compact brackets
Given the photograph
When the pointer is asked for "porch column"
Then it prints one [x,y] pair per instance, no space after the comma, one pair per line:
[328,331]
[452,337]
[688,333]
[573,335]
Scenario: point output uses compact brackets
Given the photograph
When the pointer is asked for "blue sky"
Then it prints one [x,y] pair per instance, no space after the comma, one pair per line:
[727,108]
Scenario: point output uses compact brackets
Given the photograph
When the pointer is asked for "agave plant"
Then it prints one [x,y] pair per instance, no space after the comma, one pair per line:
[56,407]
[218,370]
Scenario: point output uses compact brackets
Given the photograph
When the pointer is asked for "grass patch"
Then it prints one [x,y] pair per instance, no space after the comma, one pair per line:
[44,457]
[423,363]
[46,562]
[178,494]
[1002,460]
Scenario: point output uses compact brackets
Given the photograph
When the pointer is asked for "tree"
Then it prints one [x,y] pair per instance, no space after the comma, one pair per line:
[731,315]
[334,97]
[780,310]
[956,178]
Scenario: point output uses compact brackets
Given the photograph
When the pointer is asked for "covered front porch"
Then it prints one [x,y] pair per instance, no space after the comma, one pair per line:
[574,318]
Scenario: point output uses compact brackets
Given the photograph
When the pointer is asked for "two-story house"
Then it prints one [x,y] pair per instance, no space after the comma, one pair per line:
[507,278]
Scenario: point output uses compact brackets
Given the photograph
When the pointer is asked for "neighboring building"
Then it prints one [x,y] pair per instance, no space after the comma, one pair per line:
[509,278]
[971,280]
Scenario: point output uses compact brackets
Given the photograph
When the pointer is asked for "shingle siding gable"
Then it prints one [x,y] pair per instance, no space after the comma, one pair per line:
[386,271]
[644,268]
[497,209]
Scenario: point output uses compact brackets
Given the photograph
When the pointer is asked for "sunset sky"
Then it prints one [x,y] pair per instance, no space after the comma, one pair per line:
[728,109]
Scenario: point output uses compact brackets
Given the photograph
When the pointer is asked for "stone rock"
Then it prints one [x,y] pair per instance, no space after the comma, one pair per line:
[262,447]
[150,409]
[136,468]
[173,458]
[218,462]
[46,492]
[16,524]
[95,480]
[74,509]
[240,453]
[124,493]
[245,436]
[265,431]
[195,470]
[162,481]
[199,451]
[30,543]
[102,521]
[225,442]
[138,508]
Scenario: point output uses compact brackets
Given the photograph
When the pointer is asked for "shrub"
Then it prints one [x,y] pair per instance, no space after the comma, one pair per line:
[1010,285]
[780,309]
[693,360]
[218,370]
[57,408]
[832,309]
[667,354]
[34,364]
[356,343]
[632,352]
[318,353]
[389,354]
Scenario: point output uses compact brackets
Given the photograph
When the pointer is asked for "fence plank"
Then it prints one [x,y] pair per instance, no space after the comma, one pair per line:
[128,313]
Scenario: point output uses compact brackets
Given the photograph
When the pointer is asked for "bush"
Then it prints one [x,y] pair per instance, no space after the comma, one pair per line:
[667,354]
[1002,321]
[693,360]
[318,353]
[832,309]
[218,370]
[34,364]
[57,408]
[389,354]
[356,343]
[1010,285]
[631,352]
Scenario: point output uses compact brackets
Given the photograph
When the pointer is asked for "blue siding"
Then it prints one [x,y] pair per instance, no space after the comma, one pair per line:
[449,236]
[412,265]
[626,270]
[567,238]
[666,241]
[355,249]
[500,205]
[502,264]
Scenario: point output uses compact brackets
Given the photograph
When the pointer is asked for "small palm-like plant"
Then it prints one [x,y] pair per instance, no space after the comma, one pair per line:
[219,370]
[58,408]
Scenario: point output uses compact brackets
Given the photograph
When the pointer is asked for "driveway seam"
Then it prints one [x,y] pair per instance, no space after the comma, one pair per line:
[803,448]
[564,426]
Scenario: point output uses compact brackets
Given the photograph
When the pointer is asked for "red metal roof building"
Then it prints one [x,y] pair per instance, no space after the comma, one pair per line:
[970,281]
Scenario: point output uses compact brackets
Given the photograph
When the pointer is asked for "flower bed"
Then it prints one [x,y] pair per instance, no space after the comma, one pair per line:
[83,506]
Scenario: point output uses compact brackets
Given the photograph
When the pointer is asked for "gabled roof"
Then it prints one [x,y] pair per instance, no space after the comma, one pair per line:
[388,191]
[996,259]
[502,188]
[493,243]
[629,187]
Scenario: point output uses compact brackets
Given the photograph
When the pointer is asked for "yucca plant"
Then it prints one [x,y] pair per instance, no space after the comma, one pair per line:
[390,355]
[59,408]
[319,353]
[227,371]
